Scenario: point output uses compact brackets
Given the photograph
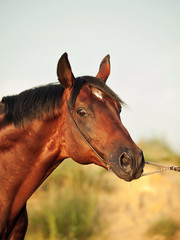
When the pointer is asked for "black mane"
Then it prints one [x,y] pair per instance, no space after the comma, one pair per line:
[37,102]
[32,104]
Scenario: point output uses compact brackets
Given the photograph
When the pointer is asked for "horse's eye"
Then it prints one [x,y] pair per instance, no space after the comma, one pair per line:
[82,112]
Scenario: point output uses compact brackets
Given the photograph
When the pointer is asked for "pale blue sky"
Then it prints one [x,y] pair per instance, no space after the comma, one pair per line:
[142,37]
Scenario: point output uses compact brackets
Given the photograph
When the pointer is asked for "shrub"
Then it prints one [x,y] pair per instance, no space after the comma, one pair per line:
[163,226]
[157,150]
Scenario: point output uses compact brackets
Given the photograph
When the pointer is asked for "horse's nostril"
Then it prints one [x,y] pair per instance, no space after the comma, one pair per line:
[125,162]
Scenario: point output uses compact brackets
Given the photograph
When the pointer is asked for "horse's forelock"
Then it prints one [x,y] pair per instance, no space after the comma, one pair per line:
[94,82]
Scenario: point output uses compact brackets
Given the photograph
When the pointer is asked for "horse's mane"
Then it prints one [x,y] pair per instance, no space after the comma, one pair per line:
[37,102]
[32,104]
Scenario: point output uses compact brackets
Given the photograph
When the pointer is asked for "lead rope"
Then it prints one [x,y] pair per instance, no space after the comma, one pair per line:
[164,168]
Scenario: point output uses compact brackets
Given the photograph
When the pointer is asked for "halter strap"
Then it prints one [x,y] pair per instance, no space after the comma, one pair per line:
[107,165]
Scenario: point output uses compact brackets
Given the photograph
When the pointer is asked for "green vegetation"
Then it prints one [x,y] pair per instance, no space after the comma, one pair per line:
[68,204]
[163,226]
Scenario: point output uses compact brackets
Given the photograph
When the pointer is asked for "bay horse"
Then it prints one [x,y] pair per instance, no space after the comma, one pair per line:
[39,128]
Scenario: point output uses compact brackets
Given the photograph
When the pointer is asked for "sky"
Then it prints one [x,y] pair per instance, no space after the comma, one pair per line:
[141,36]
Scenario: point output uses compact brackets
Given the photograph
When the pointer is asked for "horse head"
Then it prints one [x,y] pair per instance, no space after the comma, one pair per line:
[94,132]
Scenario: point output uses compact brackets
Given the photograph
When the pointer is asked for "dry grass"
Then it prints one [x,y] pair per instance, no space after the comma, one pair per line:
[86,202]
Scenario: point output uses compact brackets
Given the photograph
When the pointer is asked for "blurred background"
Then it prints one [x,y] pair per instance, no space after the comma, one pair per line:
[143,40]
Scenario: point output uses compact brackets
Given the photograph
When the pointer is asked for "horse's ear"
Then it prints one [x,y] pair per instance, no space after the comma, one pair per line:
[64,72]
[104,69]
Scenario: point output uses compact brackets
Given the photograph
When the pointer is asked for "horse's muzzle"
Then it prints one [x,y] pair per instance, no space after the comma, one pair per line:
[129,164]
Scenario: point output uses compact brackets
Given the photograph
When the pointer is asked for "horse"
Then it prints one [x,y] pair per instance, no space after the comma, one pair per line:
[76,118]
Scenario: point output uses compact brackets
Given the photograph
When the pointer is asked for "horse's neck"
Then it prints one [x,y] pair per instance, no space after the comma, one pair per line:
[29,155]
[37,140]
